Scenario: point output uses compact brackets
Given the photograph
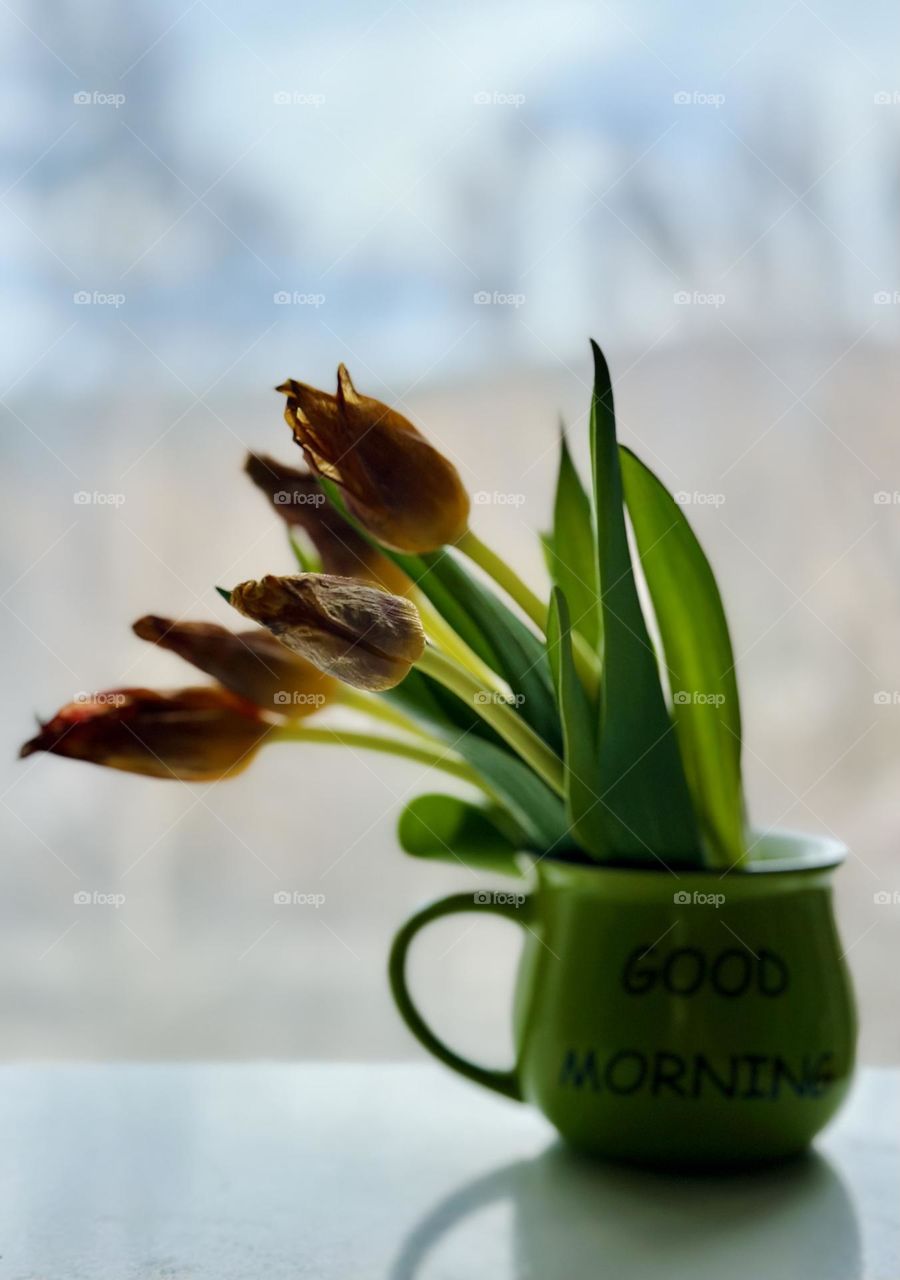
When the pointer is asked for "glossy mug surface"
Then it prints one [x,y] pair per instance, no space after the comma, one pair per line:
[703,1019]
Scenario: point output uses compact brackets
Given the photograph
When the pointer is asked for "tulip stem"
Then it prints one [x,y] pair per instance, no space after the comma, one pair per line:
[371,705]
[444,636]
[511,727]
[586,661]
[498,569]
[435,758]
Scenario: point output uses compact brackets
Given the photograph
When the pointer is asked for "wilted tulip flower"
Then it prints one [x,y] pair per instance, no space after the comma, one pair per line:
[291,492]
[300,502]
[365,637]
[252,664]
[408,495]
[194,735]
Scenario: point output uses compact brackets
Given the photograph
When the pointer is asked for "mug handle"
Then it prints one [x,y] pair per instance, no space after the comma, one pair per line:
[505,1082]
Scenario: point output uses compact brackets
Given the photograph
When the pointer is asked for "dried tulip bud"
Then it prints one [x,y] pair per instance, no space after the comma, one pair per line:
[194,735]
[252,664]
[406,493]
[365,637]
[299,500]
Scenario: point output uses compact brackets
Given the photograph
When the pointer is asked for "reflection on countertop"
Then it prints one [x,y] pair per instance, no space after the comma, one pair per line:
[573,1217]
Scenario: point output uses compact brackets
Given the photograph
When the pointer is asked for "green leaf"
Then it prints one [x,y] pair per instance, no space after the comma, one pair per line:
[583,806]
[452,830]
[640,775]
[547,549]
[538,813]
[536,810]
[698,655]
[570,549]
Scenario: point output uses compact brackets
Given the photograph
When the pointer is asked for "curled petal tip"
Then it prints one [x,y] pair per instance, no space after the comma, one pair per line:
[394,482]
[346,391]
[150,627]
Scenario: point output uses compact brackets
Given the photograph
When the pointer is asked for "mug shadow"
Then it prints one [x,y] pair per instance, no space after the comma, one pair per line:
[575,1217]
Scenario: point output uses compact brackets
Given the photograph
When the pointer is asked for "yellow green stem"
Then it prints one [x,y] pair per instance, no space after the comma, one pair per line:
[439,630]
[511,727]
[586,661]
[435,758]
[495,567]
[370,704]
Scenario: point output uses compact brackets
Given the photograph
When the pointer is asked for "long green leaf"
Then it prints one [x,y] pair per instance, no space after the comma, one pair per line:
[584,808]
[536,811]
[640,775]
[570,549]
[448,829]
[698,655]
[539,813]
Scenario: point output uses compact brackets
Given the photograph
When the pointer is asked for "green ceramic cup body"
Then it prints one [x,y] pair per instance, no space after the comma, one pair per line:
[703,1019]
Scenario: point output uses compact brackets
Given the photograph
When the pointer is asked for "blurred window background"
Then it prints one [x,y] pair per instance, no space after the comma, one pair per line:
[200,199]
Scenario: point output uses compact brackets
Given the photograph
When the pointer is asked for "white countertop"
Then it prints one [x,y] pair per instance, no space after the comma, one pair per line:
[351,1172]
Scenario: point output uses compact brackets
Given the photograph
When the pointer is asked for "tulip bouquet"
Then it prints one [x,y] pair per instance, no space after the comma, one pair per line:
[582,742]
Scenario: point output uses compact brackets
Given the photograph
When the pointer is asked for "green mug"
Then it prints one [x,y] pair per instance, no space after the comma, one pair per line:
[704,1019]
